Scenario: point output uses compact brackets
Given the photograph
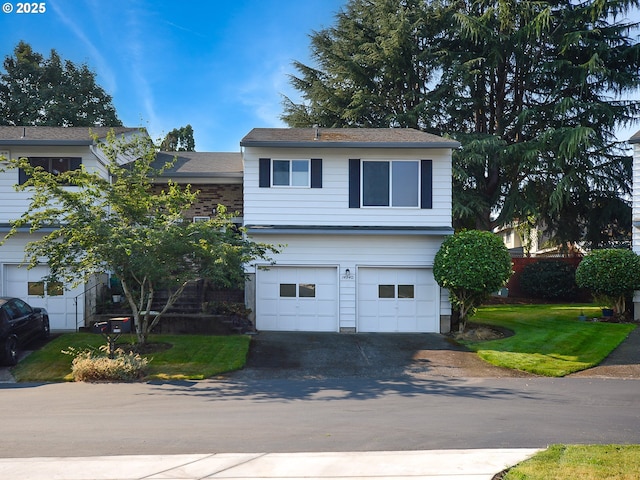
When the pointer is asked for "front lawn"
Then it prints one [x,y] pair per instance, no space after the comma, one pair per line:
[549,339]
[191,357]
[580,462]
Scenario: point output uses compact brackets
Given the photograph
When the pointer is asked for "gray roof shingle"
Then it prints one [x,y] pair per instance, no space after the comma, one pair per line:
[31,135]
[345,137]
[189,164]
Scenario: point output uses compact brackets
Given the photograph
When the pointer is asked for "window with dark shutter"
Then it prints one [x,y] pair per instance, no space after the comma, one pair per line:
[54,165]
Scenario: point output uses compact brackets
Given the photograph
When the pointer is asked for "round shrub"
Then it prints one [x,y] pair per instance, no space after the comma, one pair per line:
[471,264]
[610,273]
[549,279]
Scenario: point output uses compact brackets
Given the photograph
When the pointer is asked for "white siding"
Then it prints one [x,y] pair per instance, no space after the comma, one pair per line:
[353,252]
[636,198]
[329,205]
[15,203]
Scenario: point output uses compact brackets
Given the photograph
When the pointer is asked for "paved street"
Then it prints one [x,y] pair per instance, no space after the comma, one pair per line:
[280,415]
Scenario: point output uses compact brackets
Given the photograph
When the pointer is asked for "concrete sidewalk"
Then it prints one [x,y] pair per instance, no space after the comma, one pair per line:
[426,464]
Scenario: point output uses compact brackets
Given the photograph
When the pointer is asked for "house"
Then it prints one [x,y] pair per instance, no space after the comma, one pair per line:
[55,149]
[362,213]
[525,240]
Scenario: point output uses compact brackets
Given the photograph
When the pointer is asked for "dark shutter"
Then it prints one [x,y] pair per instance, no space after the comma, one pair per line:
[22,176]
[264,173]
[426,193]
[354,183]
[316,173]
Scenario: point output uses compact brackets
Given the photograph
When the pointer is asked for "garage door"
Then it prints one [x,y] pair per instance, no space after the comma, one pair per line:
[59,301]
[297,299]
[397,300]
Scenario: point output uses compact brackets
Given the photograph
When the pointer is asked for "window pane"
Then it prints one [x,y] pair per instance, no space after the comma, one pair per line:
[281,172]
[300,173]
[54,289]
[375,184]
[35,288]
[59,165]
[288,290]
[307,290]
[405,291]
[386,291]
[405,177]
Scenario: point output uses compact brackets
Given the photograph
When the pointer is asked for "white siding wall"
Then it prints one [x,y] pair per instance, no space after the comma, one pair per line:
[329,205]
[636,197]
[352,252]
[15,203]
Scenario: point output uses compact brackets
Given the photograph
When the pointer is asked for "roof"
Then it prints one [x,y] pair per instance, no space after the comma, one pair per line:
[345,137]
[190,164]
[635,138]
[32,135]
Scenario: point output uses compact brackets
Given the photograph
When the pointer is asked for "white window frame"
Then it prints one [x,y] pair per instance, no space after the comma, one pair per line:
[390,179]
[291,161]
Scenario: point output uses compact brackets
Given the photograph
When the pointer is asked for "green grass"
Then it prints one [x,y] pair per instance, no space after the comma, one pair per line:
[580,462]
[192,357]
[549,340]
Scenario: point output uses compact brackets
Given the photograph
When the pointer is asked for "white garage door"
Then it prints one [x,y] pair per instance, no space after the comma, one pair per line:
[297,299]
[397,300]
[59,302]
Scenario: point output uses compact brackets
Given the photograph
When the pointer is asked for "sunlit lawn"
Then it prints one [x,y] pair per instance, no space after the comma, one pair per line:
[190,356]
[549,339]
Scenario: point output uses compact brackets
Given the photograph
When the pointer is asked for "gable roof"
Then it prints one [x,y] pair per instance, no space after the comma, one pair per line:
[200,164]
[36,135]
[345,137]
[635,138]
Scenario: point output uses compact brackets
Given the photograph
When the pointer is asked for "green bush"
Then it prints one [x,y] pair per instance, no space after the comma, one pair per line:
[471,264]
[549,279]
[91,365]
[612,274]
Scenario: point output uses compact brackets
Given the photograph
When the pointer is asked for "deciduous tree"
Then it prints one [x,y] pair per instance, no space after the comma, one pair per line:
[122,225]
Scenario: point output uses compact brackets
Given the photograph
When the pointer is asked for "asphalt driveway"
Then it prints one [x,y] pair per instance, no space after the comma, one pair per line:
[379,355]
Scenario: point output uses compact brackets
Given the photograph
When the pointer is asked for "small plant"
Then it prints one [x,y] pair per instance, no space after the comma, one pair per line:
[94,365]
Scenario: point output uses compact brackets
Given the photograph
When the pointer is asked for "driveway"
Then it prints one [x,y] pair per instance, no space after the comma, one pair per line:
[302,355]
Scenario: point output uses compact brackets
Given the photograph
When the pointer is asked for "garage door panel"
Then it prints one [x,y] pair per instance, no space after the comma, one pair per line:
[310,303]
[413,307]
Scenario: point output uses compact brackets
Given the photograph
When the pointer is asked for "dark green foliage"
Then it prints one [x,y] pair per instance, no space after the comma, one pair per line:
[471,264]
[179,140]
[51,92]
[534,91]
[549,279]
[610,273]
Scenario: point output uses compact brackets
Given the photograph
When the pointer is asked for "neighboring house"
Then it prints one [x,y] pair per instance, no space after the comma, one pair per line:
[533,242]
[55,149]
[362,213]
[635,212]
[216,175]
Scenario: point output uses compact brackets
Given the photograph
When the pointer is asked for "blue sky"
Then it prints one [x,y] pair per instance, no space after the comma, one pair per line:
[220,66]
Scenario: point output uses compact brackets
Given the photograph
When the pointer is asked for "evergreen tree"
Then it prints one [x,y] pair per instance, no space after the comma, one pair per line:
[533,90]
[51,92]
[179,140]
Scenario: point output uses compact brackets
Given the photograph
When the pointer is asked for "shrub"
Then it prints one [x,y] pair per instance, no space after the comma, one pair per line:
[471,264]
[549,279]
[91,365]
[612,274]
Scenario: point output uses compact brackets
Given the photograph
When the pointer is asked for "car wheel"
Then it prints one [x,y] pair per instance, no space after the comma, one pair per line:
[11,351]
[46,330]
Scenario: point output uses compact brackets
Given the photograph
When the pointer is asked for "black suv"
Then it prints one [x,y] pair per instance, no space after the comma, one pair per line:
[19,325]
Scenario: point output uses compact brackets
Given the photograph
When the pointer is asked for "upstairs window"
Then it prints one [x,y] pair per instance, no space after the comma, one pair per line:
[290,173]
[54,165]
[390,183]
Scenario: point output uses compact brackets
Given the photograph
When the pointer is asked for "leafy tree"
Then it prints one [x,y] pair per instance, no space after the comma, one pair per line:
[179,140]
[471,264]
[610,273]
[51,92]
[533,90]
[120,225]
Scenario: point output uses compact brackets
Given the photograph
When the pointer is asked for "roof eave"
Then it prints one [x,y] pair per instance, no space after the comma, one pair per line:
[322,144]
